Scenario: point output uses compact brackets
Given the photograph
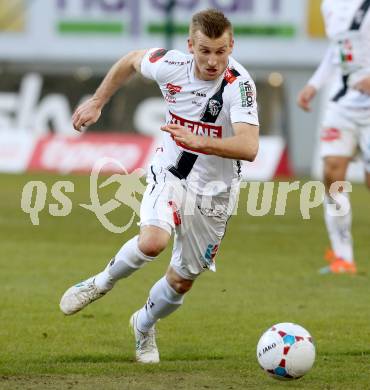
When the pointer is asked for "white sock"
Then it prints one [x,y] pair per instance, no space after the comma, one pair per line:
[339,229]
[127,260]
[163,300]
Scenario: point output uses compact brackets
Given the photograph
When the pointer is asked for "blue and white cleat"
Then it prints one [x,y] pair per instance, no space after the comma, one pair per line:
[146,347]
[79,296]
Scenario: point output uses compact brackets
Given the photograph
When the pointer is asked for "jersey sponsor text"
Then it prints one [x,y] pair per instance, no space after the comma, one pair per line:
[198,128]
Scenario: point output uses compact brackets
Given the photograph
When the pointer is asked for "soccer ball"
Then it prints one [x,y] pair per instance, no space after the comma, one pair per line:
[286,351]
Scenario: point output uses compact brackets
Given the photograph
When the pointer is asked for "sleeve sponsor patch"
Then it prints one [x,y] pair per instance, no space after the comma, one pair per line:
[157,55]
[231,75]
[246,93]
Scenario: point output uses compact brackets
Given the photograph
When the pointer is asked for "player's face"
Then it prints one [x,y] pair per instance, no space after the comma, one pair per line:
[210,55]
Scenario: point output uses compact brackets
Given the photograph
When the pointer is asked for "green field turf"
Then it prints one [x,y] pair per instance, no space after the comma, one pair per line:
[266,273]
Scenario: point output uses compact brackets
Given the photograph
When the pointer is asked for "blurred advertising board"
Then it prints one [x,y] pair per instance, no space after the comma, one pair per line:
[36,132]
[79,154]
[21,152]
[266,31]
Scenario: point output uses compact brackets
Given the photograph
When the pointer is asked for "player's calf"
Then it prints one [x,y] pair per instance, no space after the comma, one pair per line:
[368,179]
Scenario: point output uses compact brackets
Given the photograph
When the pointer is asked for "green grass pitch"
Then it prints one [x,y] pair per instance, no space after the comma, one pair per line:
[266,273]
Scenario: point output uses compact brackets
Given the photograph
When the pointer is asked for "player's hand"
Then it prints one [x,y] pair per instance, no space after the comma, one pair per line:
[86,114]
[363,85]
[183,136]
[305,97]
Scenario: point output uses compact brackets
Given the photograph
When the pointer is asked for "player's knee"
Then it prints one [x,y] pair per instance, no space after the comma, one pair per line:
[153,244]
[334,170]
[332,167]
[179,284]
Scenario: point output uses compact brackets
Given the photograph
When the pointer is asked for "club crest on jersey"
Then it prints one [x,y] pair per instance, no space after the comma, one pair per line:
[214,107]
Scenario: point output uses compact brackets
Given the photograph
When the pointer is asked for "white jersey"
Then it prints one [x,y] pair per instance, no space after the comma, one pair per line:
[206,108]
[347,24]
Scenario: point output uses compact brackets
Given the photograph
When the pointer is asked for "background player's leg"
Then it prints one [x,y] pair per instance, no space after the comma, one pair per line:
[338,227]
[367,175]
[365,149]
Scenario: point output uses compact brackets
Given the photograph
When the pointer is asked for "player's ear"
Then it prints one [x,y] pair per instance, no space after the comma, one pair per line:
[231,43]
[190,46]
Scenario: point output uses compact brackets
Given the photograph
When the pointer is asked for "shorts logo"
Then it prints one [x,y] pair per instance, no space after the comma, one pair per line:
[330,134]
[175,213]
[157,55]
[173,89]
[210,254]
[246,94]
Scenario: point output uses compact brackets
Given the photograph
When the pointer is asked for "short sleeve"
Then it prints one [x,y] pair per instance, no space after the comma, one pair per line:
[152,62]
[243,103]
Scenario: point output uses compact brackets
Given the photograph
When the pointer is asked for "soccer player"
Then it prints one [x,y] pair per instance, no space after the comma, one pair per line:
[346,124]
[211,124]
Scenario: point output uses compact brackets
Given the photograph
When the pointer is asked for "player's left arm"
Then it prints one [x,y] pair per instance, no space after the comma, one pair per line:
[243,145]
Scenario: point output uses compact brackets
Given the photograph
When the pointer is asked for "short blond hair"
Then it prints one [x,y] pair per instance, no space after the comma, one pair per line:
[211,22]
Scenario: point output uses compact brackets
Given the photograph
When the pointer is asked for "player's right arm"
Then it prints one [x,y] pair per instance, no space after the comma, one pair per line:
[89,112]
[319,78]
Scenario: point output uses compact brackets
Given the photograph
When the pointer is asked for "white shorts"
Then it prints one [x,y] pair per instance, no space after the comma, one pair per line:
[344,131]
[199,223]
